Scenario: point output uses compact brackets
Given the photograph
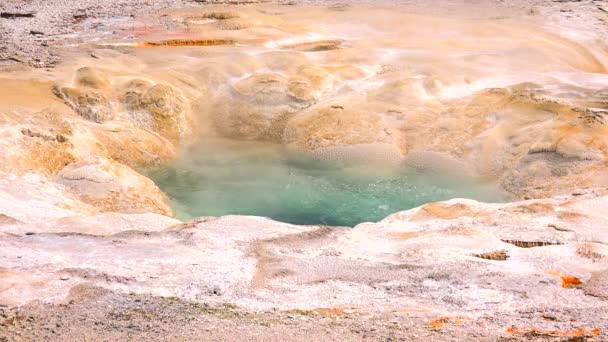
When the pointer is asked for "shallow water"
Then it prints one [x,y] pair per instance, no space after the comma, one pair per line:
[227,177]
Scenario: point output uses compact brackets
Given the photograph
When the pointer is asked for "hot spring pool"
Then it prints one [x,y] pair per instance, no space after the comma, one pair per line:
[244,178]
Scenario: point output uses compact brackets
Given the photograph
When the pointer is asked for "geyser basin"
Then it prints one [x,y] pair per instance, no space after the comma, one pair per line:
[226,177]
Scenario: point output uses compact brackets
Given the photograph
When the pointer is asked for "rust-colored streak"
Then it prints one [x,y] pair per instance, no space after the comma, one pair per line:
[568,282]
[441,322]
[187,42]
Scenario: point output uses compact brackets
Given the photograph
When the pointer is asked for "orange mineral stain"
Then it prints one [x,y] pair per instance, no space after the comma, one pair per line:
[441,322]
[568,282]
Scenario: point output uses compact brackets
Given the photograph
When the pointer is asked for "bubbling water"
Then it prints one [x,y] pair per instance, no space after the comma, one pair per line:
[223,177]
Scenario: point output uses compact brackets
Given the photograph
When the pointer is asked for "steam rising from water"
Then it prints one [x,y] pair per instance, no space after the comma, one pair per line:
[226,177]
[381,87]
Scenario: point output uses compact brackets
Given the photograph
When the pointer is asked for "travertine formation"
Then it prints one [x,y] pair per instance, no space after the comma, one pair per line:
[111,186]
[497,95]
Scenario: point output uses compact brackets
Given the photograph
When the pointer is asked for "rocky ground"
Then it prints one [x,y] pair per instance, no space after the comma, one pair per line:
[452,271]
[89,94]
[35,32]
[110,316]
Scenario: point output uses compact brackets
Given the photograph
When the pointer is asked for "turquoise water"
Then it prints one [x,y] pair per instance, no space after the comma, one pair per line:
[244,178]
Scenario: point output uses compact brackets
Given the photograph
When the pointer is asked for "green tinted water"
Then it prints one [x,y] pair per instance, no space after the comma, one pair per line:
[244,178]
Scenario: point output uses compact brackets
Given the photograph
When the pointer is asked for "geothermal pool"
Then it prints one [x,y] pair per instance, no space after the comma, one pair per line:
[223,177]
[482,92]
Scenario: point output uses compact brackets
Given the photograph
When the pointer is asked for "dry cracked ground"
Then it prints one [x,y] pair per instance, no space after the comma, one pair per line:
[510,92]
